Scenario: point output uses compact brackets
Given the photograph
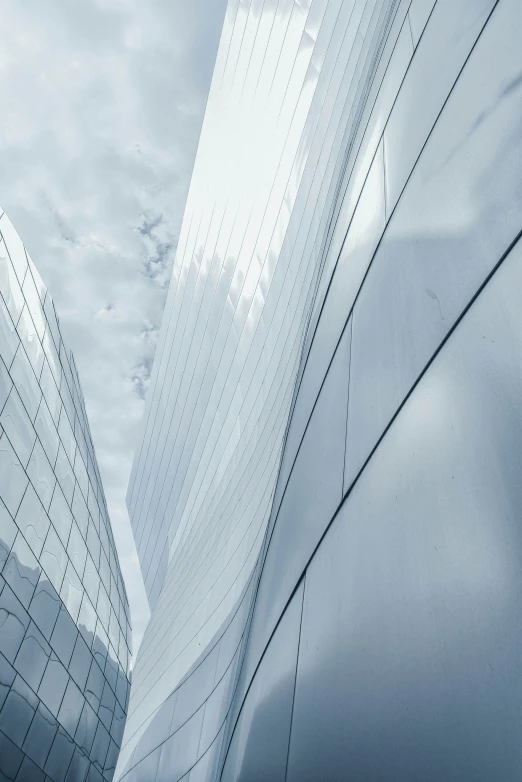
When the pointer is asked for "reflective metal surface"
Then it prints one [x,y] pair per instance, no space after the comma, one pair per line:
[259,745]
[409,658]
[64,627]
[289,92]
[334,404]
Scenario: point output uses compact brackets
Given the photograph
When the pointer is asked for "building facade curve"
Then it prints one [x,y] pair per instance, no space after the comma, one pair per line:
[326,498]
[65,633]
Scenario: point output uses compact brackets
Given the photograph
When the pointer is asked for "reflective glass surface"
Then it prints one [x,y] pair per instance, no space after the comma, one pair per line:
[62,708]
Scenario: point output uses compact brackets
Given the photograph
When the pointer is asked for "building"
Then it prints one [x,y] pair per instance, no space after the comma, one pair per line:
[326,497]
[64,618]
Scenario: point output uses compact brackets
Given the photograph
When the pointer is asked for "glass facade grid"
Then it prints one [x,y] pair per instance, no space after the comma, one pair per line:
[64,615]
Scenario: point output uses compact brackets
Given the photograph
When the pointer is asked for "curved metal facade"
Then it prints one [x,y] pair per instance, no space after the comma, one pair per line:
[64,626]
[326,497]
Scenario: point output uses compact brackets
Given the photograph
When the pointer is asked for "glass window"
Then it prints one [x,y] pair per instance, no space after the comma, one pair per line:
[8,530]
[33,520]
[91,580]
[7,675]
[93,543]
[41,474]
[86,729]
[80,512]
[32,657]
[25,382]
[45,606]
[50,392]
[52,357]
[14,246]
[9,339]
[46,431]
[60,515]
[22,571]
[80,662]
[18,427]
[33,303]
[72,591]
[40,735]
[77,550]
[65,476]
[52,320]
[59,756]
[81,472]
[71,708]
[100,645]
[94,687]
[29,339]
[64,636]
[66,435]
[9,286]
[13,479]
[54,559]
[13,623]
[18,711]
[87,620]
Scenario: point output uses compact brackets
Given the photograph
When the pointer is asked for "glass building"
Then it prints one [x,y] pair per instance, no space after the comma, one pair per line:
[64,615]
[326,498]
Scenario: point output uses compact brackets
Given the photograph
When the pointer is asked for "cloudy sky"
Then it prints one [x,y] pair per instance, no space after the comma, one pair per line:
[101,105]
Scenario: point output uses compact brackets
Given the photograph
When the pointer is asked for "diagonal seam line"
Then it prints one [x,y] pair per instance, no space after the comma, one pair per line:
[295,677]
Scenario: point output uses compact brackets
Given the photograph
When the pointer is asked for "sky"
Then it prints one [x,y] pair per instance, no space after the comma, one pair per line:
[101,108]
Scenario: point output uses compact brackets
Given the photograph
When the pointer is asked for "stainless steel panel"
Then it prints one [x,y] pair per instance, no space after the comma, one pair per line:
[419,13]
[361,241]
[409,657]
[246,267]
[179,752]
[460,211]
[313,493]
[448,38]
[259,745]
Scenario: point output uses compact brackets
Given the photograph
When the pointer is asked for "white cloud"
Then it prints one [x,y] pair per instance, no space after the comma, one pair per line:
[101,107]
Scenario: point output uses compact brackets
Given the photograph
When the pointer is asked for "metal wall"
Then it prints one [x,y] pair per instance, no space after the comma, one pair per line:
[288,97]
[406,542]
[381,639]
[64,615]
